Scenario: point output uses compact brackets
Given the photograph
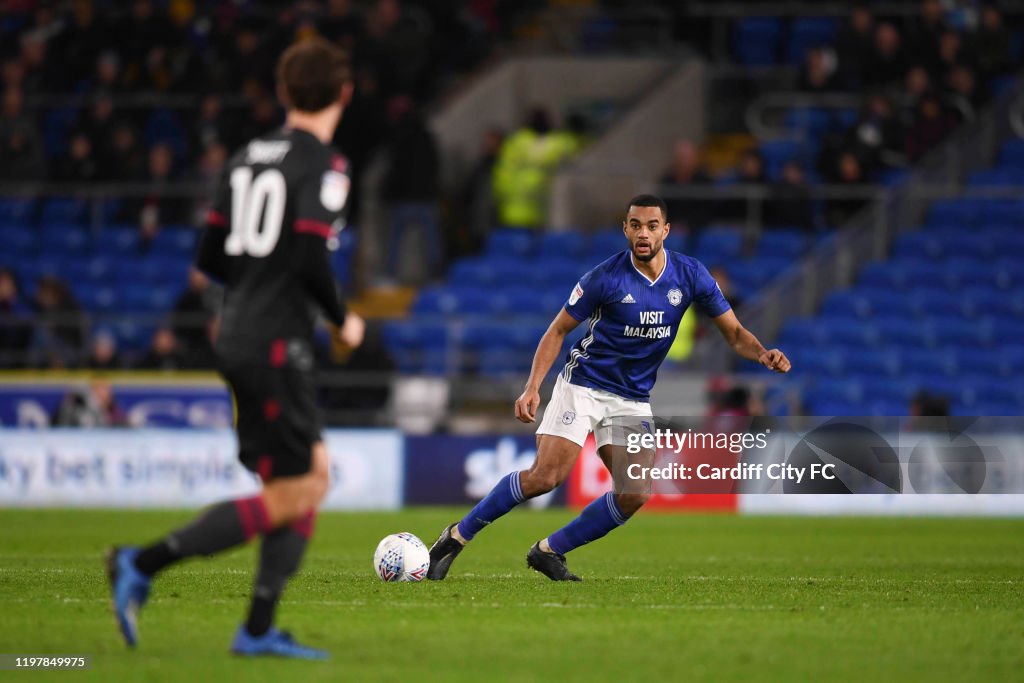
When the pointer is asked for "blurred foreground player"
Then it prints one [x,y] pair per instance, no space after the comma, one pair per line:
[266,241]
[634,302]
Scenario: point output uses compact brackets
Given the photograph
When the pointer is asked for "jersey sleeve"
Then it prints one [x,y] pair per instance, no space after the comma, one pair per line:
[210,256]
[586,296]
[321,198]
[707,295]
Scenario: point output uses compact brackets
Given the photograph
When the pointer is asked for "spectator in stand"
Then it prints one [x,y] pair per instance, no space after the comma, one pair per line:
[161,206]
[932,123]
[411,188]
[343,23]
[108,73]
[819,72]
[992,43]
[879,135]
[124,159]
[192,312]
[80,166]
[721,276]
[103,355]
[21,145]
[849,173]
[961,83]
[163,352]
[925,32]
[790,202]
[143,36]
[15,322]
[685,213]
[214,125]
[854,46]
[92,406]
[203,357]
[952,53]
[82,42]
[264,114]
[97,122]
[525,167]
[887,63]
[917,82]
[59,332]
[208,173]
[476,194]
[749,172]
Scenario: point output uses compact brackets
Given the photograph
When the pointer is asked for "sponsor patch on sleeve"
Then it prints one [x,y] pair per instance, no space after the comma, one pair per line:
[577,292]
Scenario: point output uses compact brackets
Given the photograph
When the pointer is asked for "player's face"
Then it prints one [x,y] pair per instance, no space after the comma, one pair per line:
[645,229]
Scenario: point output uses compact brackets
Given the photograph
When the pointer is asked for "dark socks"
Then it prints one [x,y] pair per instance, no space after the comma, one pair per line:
[218,528]
[280,556]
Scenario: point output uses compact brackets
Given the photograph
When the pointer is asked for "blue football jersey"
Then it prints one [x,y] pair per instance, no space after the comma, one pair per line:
[633,321]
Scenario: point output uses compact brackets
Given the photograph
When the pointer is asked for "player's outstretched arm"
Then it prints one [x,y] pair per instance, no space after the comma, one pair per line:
[744,343]
[547,351]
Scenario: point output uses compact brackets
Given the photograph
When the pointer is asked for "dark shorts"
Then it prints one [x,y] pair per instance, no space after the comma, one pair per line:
[276,417]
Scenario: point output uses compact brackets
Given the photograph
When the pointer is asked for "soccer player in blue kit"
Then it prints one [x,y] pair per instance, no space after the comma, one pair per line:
[633,303]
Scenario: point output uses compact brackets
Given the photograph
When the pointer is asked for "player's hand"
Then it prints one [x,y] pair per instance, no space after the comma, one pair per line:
[527,404]
[774,360]
[351,332]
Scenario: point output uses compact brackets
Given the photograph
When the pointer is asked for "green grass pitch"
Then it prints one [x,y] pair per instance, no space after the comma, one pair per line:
[668,597]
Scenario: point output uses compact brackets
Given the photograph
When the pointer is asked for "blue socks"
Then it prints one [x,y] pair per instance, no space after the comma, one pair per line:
[503,497]
[596,520]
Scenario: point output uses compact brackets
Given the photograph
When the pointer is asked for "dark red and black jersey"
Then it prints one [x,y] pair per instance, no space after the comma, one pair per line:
[266,241]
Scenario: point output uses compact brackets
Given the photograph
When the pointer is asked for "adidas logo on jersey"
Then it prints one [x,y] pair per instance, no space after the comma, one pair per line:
[628,299]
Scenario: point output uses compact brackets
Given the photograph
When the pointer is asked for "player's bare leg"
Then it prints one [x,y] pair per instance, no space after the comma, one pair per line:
[555,459]
[599,517]
[281,503]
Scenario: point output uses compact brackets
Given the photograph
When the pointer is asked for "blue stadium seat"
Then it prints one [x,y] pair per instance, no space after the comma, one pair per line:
[756,40]
[18,241]
[875,362]
[962,212]
[64,211]
[934,301]
[727,242]
[605,244]
[562,244]
[806,33]
[16,211]
[850,331]
[919,243]
[817,361]
[799,331]
[894,389]
[506,242]
[782,244]
[1012,153]
[163,127]
[829,388]
[515,301]
[118,241]
[934,362]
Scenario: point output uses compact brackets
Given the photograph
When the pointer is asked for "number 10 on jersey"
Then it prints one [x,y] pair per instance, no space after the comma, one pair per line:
[251,200]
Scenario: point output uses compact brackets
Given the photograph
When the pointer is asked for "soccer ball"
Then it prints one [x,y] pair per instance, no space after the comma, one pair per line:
[401,557]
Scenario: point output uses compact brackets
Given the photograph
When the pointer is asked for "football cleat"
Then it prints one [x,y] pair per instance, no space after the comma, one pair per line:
[444,551]
[129,589]
[273,643]
[551,565]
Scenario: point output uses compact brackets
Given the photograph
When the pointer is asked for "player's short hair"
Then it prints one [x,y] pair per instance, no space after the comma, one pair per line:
[311,74]
[649,200]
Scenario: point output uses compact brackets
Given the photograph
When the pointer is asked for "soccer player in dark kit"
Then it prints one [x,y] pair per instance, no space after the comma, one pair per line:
[633,303]
[265,239]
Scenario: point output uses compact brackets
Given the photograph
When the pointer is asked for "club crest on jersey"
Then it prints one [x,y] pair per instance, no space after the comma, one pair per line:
[334,187]
[577,292]
[675,297]
[568,417]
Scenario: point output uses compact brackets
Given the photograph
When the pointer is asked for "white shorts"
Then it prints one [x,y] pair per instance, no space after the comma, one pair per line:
[574,411]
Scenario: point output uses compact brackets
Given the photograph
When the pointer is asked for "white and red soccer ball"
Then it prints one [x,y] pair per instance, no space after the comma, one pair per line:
[401,557]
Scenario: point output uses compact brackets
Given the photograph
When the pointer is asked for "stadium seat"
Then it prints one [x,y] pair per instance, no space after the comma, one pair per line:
[506,242]
[756,40]
[16,211]
[806,33]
